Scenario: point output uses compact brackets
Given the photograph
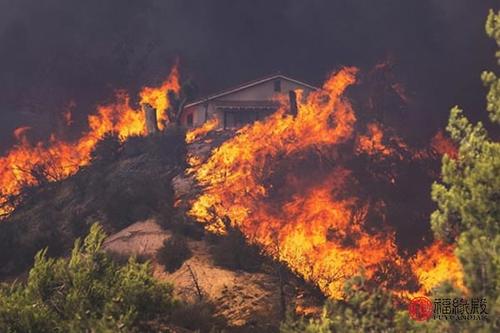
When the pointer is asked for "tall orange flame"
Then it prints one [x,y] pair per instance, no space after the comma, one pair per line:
[157,96]
[198,132]
[309,222]
[59,158]
[437,264]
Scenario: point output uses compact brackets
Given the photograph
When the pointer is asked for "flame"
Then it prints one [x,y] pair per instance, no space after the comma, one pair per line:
[158,99]
[58,159]
[306,221]
[437,264]
[201,131]
[322,239]
[279,133]
[372,142]
[443,145]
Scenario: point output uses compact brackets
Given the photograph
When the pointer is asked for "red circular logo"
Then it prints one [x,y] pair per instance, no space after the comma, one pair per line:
[420,308]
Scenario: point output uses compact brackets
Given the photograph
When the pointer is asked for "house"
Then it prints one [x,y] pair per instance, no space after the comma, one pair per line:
[244,104]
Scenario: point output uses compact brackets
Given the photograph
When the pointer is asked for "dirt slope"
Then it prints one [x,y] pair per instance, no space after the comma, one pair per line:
[243,299]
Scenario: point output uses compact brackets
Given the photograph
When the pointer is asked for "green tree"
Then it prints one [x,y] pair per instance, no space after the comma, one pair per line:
[87,292]
[468,196]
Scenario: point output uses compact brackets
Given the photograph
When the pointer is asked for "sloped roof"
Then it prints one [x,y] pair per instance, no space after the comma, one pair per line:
[248,85]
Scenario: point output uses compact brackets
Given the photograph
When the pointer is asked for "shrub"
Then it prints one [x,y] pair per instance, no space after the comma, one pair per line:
[87,292]
[232,251]
[180,224]
[173,253]
[107,149]
[199,315]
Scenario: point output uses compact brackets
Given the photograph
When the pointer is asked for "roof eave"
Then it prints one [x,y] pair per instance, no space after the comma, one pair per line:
[244,86]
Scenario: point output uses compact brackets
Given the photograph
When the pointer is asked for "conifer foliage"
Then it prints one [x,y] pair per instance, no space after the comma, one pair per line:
[468,196]
[87,292]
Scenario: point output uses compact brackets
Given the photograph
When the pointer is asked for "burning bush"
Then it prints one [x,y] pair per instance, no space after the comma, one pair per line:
[325,194]
[133,185]
[61,159]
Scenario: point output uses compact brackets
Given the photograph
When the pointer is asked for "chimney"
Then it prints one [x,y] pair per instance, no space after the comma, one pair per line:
[151,121]
[293,103]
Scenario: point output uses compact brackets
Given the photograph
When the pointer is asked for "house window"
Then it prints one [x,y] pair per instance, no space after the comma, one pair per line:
[277,86]
[190,119]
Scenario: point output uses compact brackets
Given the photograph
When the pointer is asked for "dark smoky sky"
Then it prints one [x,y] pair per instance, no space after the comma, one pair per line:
[54,53]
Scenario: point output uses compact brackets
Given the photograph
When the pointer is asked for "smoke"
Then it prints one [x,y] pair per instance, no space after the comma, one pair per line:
[59,53]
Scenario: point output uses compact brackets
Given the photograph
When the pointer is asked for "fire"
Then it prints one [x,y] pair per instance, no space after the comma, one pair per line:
[372,142]
[230,165]
[443,145]
[158,99]
[197,132]
[323,238]
[27,164]
[437,264]
[282,183]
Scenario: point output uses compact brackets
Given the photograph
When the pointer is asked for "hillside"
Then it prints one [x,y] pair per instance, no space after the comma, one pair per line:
[125,182]
[131,189]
